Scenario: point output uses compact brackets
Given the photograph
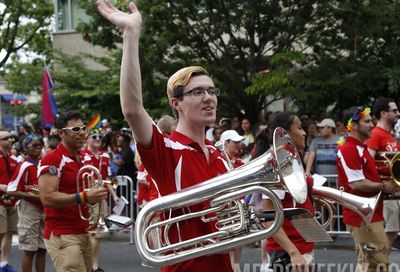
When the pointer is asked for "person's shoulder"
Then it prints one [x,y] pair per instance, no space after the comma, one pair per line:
[53,156]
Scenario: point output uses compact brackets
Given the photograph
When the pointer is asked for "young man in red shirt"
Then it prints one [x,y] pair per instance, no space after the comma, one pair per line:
[386,113]
[185,158]
[8,211]
[358,175]
[65,233]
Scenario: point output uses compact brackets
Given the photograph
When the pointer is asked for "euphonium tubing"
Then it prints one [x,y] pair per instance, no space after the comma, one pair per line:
[236,224]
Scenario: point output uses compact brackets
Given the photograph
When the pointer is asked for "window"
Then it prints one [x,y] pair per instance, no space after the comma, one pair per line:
[69,15]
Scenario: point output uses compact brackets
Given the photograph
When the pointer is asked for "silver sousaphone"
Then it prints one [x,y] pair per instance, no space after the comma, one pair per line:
[235,222]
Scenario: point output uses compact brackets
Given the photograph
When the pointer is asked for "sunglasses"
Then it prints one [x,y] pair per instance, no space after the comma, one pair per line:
[96,137]
[6,138]
[76,129]
[35,145]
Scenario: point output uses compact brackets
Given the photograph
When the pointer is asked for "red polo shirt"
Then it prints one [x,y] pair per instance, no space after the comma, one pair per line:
[177,162]
[382,141]
[25,174]
[354,163]
[102,163]
[6,172]
[63,220]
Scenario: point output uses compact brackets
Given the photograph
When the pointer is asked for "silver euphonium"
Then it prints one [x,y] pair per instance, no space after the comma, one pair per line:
[236,224]
[87,178]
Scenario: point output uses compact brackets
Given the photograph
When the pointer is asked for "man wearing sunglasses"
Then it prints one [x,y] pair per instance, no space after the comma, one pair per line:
[386,113]
[185,158]
[8,212]
[65,233]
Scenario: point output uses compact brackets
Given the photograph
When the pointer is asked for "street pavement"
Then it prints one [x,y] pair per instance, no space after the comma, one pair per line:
[118,255]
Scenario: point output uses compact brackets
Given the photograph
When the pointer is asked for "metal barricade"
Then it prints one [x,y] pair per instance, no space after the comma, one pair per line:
[337,226]
[126,189]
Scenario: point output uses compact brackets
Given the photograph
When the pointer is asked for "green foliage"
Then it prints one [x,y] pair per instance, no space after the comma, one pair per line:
[25,27]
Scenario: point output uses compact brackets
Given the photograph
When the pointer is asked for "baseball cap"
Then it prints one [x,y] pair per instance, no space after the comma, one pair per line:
[327,123]
[231,135]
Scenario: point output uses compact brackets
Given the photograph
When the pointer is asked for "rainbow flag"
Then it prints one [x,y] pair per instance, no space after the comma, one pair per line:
[95,122]
[49,108]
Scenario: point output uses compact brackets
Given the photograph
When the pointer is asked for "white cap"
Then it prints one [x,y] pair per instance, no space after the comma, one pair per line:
[327,123]
[231,135]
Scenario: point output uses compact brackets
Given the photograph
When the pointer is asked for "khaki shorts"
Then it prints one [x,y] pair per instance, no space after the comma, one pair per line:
[30,227]
[8,219]
[391,213]
[371,247]
[70,253]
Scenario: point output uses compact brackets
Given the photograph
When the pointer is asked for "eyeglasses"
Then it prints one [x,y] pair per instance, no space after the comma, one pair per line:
[35,145]
[197,92]
[95,137]
[76,129]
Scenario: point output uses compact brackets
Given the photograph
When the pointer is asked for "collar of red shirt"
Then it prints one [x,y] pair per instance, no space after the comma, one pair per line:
[185,140]
[355,141]
[64,151]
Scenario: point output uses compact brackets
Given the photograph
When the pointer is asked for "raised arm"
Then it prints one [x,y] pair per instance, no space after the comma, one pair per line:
[130,78]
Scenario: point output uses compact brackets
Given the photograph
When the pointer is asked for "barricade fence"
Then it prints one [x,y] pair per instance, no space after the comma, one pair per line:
[337,226]
[126,189]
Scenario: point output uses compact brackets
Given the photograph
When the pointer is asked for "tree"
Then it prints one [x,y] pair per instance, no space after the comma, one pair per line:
[234,40]
[25,27]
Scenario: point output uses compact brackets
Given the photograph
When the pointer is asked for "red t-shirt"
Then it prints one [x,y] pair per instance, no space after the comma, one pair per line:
[354,163]
[25,174]
[382,141]
[6,172]
[178,162]
[293,235]
[63,220]
[102,163]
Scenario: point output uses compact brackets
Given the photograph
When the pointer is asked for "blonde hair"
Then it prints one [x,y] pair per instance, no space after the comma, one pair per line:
[166,123]
[182,77]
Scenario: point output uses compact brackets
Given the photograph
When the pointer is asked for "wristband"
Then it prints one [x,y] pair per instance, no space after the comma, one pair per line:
[78,198]
[82,198]
[85,198]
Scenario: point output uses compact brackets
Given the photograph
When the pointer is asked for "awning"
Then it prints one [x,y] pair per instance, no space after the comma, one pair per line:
[9,97]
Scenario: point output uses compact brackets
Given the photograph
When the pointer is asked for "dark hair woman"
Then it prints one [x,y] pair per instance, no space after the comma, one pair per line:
[287,247]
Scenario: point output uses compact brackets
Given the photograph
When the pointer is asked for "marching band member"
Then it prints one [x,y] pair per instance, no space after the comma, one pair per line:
[287,248]
[101,160]
[30,210]
[8,212]
[358,175]
[386,113]
[65,233]
[185,158]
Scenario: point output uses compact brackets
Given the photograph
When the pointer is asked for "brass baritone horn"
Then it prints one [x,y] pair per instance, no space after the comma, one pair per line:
[87,178]
[236,223]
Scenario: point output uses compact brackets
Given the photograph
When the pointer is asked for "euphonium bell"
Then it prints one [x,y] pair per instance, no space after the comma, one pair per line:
[236,222]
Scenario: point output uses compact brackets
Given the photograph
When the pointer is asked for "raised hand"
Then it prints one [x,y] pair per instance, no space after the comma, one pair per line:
[125,21]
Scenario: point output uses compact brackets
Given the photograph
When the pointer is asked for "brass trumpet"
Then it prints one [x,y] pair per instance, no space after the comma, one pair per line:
[390,161]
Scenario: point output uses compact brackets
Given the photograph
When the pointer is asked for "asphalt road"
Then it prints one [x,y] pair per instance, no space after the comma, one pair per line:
[118,255]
